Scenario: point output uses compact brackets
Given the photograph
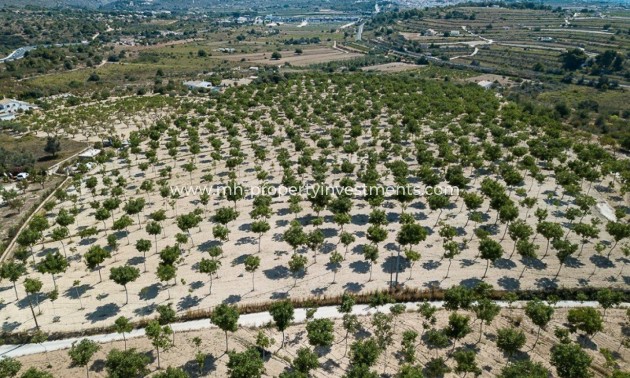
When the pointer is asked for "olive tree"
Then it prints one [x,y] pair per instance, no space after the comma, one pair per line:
[81,353]
[225,317]
[282,313]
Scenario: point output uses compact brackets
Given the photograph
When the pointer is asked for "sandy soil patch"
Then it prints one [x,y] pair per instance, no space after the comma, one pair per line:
[334,361]
[502,80]
[95,303]
[309,56]
[392,67]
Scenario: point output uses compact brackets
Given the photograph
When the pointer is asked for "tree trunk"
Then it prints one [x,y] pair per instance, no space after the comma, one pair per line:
[448,269]
[537,337]
[611,249]
[33,312]
[226,342]
[546,250]
[558,272]
[191,238]
[505,232]
[126,295]
[15,288]
[487,266]
[79,296]
[397,265]
[99,275]
[480,331]
[438,218]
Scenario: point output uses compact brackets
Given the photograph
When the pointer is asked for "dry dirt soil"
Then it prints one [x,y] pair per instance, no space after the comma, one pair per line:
[334,361]
[308,57]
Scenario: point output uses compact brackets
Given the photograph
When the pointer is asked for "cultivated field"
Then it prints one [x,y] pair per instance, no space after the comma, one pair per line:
[308,57]
[368,140]
[521,42]
[392,67]
[334,360]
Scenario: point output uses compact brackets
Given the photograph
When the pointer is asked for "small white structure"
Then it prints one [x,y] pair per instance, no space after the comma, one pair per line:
[607,211]
[454,33]
[8,108]
[485,84]
[430,32]
[253,69]
[198,84]
[90,154]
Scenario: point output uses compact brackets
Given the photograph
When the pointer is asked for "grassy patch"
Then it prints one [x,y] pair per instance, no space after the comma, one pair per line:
[35,146]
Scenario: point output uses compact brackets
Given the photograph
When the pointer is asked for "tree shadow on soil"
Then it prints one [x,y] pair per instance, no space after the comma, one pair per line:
[278,272]
[149,292]
[10,326]
[192,368]
[145,310]
[247,240]
[188,301]
[103,312]
[509,283]
[330,365]
[572,262]
[279,295]
[361,267]
[76,291]
[319,291]
[232,299]
[602,262]
[504,264]
[546,283]
[470,283]
[431,265]
[353,287]
[359,219]
[205,246]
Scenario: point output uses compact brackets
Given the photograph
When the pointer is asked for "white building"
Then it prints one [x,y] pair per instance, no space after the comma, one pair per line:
[454,33]
[198,84]
[90,154]
[9,107]
[486,84]
[227,50]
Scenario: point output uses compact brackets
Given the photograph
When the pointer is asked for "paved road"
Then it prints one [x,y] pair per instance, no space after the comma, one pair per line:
[17,54]
[249,320]
[360,32]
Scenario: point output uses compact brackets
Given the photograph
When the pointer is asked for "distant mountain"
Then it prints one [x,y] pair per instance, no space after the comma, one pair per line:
[185,5]
[56,3]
